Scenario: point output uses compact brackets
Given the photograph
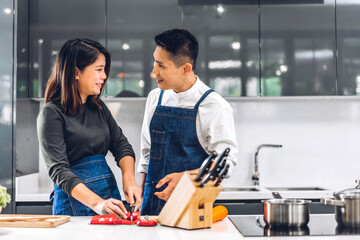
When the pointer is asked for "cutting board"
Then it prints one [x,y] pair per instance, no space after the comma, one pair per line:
[32,221]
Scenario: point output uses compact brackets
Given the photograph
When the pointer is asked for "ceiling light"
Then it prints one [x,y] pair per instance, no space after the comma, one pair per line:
[283,68]
[236,45]
[7,10]
[220,9]
[125,46]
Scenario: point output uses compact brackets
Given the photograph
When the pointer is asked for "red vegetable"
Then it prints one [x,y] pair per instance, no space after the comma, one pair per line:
[103,219]
[146,223]
[136,215]
[124,222]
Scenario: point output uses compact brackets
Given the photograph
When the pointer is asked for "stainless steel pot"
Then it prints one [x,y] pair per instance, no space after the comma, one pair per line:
[347,206]
[346,231]
[287,212]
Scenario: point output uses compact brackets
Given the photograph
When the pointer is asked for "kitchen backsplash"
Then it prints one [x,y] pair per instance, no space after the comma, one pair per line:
[320,138]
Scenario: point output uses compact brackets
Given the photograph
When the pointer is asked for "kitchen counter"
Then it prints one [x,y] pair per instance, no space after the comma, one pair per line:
[79,228]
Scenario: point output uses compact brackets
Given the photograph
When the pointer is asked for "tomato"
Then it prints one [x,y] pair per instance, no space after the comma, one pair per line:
[147,223]
[103,219]
[136,215]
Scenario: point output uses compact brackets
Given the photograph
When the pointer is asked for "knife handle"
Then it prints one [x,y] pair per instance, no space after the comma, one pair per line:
[205,166]
[222,175]
[219,164]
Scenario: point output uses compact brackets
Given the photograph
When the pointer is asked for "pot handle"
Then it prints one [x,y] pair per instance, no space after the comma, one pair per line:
[333,202]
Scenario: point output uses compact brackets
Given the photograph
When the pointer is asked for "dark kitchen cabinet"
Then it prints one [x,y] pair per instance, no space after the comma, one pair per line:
[298,50]
[51,24]
[247,48]
[348,44]
[229,46]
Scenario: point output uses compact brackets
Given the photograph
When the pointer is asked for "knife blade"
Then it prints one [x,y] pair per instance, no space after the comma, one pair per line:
[219,165]
[222,174]
[205,166]
[131,212]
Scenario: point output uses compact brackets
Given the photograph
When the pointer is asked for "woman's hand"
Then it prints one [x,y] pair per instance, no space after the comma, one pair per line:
[133,192]
[110,206]
[131,189]
[96,203]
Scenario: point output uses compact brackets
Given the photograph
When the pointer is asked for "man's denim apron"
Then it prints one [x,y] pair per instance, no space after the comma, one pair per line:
[97,176]
[174,148]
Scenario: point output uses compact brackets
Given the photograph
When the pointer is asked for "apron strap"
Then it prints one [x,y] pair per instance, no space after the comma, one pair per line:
[160,98]
[203,97]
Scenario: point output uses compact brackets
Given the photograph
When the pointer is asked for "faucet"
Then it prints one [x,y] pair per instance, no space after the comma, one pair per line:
[256,174]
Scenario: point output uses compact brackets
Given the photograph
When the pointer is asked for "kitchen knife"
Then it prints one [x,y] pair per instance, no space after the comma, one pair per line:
[219,165]
[131,212]
[205,166]
[222,174]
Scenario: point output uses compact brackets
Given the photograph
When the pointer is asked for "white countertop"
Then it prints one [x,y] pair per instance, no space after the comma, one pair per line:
[79,228]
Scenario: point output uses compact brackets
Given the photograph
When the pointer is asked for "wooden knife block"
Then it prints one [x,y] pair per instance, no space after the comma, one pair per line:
[189,206]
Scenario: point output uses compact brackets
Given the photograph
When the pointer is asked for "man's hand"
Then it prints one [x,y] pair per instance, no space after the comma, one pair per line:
[172,180]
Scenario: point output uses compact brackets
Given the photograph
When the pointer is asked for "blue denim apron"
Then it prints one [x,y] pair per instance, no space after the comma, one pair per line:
[97,176]
[174,148]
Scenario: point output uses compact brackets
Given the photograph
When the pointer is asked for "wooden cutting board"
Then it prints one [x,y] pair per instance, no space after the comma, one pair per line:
[32,221]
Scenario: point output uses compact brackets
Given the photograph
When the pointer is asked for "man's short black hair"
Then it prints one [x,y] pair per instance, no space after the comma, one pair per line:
[181,44]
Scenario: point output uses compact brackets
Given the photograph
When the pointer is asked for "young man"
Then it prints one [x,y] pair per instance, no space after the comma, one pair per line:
[184,120]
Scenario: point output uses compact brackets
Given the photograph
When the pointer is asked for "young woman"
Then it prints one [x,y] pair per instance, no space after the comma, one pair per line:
[76,130]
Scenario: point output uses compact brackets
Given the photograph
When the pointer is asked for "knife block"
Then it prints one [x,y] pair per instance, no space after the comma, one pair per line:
[189,206]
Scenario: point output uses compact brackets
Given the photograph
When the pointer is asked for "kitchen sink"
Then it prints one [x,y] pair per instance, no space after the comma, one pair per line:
[297,189]
[244,189]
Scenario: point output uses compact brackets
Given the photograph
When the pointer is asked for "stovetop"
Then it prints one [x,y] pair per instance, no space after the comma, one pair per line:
[319,225]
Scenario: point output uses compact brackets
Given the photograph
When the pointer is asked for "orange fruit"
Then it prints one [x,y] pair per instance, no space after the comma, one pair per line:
[219,213]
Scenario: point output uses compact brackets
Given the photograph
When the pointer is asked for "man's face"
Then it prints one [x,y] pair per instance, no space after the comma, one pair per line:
[167,75]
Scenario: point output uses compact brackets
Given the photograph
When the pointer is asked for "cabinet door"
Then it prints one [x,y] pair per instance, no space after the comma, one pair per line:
[51,24]
[298,48]
[348,39]
[229,46]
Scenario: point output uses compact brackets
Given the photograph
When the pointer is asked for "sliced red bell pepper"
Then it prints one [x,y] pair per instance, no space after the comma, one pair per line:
[147,223]
[124,222]
[103,219]
[136,215]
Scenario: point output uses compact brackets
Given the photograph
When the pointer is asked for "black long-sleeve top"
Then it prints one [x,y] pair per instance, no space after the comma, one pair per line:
[64,139]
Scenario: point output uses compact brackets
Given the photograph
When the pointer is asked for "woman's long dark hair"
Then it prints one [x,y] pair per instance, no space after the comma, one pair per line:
[62,86]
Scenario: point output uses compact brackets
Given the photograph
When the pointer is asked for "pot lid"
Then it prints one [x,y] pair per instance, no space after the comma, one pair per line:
[350,192]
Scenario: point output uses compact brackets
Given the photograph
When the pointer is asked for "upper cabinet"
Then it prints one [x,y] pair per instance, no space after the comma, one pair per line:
[298,48]
[51,24]
[229,46]
[247,48]
[348,47]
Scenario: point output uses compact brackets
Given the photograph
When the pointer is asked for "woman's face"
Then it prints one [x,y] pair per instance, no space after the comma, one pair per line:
[92,78]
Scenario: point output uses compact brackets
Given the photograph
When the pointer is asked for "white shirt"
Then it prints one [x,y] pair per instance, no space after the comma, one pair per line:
[215,126]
